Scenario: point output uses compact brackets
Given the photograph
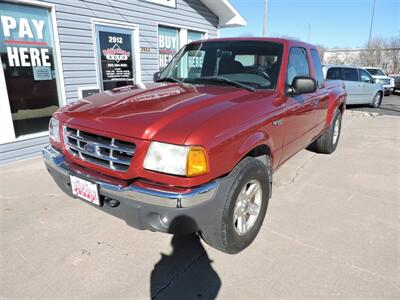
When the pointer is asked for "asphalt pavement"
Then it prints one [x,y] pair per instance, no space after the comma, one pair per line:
[390,106]
[332,231]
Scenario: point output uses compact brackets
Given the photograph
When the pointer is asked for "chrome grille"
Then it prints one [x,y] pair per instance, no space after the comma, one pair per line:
[100,150]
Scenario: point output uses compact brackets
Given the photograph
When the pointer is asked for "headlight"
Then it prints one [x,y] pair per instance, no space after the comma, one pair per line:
[54,130]
[176,160]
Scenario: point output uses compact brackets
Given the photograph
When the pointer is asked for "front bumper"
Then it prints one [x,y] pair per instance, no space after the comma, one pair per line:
[145,208]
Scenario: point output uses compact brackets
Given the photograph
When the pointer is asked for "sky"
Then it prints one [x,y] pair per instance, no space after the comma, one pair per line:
[331,23]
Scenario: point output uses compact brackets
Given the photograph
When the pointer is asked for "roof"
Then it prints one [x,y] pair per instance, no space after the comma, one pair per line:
[227,14]
[284,41]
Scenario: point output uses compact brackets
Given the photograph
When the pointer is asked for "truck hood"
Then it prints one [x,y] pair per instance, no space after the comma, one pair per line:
[380,77]
[156,111]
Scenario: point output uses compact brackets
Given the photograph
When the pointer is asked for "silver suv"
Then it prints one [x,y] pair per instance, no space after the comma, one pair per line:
[360,85]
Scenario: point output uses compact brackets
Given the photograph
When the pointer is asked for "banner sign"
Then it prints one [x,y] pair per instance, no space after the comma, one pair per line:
[116,55]
[25,36]
[195,58]
[168,45]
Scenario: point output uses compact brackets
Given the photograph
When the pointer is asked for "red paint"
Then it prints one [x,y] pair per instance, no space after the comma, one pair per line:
[17,42]
[228,122]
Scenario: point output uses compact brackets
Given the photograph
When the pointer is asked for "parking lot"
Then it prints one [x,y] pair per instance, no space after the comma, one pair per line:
[332,230]
[390,106]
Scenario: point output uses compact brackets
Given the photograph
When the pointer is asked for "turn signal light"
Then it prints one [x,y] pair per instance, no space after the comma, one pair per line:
[196,162]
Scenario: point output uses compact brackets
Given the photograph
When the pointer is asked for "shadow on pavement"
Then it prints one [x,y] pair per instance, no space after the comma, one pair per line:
[186,273]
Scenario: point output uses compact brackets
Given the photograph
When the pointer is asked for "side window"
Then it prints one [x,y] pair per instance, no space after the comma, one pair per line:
[350,74]
[318,68]
[297,65]
[364,76]
[334,74]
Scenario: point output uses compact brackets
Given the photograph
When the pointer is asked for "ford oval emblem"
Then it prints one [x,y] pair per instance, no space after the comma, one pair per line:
[91,148]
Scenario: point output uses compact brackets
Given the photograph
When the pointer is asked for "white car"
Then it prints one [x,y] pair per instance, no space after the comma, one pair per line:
[360,86]
[382,78]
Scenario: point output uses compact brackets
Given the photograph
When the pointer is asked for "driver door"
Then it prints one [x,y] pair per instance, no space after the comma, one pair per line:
[367,88]
[300,118]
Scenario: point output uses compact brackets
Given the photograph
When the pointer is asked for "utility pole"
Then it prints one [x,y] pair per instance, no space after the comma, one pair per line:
[265,17]
[372,22]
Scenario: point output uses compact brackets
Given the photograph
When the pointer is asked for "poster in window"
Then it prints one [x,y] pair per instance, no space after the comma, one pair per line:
[168,45]
[195,58]
[116,55]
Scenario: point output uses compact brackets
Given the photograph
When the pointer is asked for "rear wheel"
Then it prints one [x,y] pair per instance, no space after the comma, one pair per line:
[238,223]
[376,102]
[328,141]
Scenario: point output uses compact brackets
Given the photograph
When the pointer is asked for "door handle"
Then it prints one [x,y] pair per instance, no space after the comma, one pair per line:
[316,102]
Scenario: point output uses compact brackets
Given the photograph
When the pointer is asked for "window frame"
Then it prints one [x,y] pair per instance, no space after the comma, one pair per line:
[320,84]
[7,134]
[307,59]
[366,72]
[134,28]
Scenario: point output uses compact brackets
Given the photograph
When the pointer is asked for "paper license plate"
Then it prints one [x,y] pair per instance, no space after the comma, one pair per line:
[85,190]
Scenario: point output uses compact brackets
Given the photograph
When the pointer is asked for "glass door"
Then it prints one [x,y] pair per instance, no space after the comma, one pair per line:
[115,56]
[27,56]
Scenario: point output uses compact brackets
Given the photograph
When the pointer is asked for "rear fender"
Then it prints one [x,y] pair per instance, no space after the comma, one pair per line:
[336,100]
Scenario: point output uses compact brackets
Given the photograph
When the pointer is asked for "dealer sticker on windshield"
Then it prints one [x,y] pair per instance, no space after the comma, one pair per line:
[85,190]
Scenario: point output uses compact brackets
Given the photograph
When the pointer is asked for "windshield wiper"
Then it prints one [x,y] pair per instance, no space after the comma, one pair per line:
[168,79]
[228,81]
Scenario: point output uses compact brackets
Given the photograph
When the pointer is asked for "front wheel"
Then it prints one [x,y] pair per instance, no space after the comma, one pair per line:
[328,141]
[238,223]
[376,102]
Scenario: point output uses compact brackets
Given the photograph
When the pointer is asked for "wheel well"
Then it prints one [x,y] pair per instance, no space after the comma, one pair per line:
[263,153]
[341,107]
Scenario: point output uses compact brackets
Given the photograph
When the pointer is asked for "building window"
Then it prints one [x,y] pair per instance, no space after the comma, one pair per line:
[27,56]
[168,45]
[115,56]
[194,36]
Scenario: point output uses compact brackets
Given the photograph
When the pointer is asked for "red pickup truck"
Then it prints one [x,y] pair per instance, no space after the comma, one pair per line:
[195,151]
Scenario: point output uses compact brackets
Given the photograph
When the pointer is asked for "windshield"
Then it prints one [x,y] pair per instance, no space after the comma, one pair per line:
[255,64]
[376,72]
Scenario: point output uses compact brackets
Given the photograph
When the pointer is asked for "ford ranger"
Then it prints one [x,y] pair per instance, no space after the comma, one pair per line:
[196,150]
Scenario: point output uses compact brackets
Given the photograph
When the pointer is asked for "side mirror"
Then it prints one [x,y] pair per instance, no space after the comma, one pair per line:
[372,80]
[303,85]
[156,76]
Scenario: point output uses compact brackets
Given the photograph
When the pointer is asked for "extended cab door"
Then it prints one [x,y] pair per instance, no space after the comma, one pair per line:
[299,114]
[321,99]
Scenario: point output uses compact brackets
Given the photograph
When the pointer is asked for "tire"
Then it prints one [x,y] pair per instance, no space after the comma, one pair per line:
[376,102]
[225,233]
[329,140]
